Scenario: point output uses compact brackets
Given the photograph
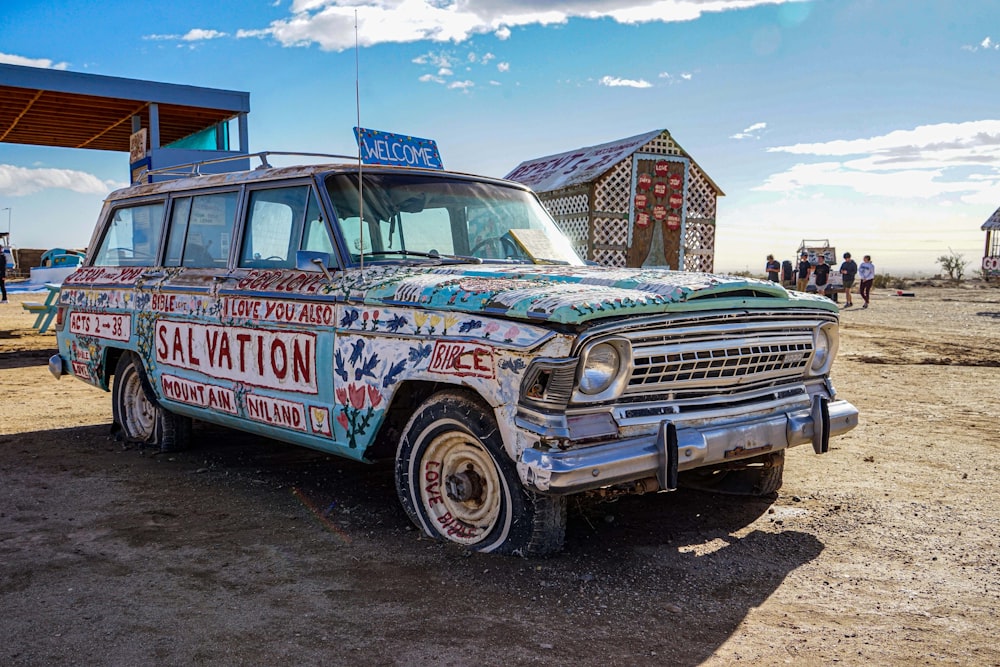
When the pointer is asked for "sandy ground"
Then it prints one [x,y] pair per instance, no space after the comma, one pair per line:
[246,551]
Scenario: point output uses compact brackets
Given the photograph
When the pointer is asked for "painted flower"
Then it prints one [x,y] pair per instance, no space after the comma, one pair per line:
[342,420]
[374,396]
[341,395]
[357,395]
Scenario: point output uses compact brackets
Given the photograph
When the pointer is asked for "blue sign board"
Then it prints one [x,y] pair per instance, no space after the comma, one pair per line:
[397,150]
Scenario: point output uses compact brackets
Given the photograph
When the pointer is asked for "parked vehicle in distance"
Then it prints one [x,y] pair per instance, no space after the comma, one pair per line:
[441,319]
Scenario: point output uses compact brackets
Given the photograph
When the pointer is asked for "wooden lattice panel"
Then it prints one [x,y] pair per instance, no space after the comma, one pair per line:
[612,193]
[569,210]
[701,196]
[699,245]
[611,231]
[610,257]
[565,204]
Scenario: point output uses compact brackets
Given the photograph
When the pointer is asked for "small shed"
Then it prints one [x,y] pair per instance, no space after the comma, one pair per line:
[991,254]
[639,201]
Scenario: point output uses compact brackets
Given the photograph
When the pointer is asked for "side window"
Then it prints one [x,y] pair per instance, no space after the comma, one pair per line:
[316,236]
[200,230]
[132,237]
[281,221]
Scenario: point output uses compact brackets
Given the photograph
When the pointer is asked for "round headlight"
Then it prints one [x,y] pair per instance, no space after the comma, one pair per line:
[600,369]
[825,348]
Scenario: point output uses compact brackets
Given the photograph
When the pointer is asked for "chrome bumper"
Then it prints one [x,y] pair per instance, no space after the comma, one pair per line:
[677,446]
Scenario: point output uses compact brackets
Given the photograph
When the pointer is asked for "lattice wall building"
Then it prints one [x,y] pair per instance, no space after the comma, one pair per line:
[640,201]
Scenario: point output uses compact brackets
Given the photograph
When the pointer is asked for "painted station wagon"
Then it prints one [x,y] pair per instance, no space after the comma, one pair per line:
[442,320]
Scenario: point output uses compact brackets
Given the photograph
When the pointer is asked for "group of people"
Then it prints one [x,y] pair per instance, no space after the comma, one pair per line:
[849,270]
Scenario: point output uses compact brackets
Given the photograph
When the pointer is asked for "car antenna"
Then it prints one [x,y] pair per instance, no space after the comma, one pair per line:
[357,106]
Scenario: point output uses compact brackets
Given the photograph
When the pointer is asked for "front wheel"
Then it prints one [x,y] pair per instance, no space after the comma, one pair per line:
[457,484]
[137,414]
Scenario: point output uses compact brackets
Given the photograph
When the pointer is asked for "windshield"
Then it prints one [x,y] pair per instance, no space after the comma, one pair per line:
[407,216]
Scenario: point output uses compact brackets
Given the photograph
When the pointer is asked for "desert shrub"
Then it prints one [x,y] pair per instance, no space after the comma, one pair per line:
[887,281]
[953,264]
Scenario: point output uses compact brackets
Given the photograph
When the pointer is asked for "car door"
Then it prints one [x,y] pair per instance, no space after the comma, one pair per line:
[277,316]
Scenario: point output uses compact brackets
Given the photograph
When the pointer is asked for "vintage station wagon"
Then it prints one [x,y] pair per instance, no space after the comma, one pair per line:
[443,320]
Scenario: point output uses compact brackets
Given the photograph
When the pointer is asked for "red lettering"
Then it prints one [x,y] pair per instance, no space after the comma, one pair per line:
[224,353]
[211,341]
[178,345]
[193,359]
[161,338]
[243,339]
[302,361]
[282,370]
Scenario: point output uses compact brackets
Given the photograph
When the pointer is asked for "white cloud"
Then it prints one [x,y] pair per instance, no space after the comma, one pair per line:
[330,24]
[19,181]
[198,34]
[987,45]
[671,79]
[503,67]
[948,159]
[460,85]
[438,59]
[615,82]
[46,63]
[752,132]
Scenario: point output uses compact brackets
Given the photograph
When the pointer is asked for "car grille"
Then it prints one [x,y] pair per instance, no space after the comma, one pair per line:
[719,354]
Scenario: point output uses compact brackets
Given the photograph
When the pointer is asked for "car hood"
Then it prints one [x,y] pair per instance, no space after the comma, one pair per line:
[569,294]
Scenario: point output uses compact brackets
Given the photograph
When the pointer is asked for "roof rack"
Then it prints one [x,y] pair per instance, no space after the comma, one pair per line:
[194,168]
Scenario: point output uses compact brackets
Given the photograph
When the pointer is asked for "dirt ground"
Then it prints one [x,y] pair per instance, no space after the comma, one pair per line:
[246,551]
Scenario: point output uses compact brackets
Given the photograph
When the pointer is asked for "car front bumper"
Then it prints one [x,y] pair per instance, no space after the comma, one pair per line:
[677,446]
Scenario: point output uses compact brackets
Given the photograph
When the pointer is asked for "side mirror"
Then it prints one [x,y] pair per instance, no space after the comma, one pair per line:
[313,262]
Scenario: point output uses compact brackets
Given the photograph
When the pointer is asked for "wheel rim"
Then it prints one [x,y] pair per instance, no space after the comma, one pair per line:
[460,487]
[139,415]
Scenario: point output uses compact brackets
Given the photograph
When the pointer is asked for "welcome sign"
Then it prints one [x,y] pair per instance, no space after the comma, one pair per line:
[397,150]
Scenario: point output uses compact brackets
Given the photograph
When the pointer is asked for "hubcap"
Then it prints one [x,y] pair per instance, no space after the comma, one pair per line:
[139,413]
[460,487]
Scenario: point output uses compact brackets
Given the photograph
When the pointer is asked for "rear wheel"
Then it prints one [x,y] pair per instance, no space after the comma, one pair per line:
[757,476]
[139,417]
[457,484]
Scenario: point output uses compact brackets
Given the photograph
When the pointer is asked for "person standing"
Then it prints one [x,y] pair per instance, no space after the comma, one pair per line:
[3,275]
[773,268]
[866,273]
[848,269]
[822,273]
[803,270]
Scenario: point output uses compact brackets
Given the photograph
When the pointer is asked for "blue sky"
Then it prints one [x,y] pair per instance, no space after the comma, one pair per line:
[874,123]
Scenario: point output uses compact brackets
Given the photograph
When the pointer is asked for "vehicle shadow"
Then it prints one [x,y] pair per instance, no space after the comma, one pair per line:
[657,579]
[693,563]
[25,358]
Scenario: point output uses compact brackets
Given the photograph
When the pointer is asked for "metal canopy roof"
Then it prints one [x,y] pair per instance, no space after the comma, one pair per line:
[45,107]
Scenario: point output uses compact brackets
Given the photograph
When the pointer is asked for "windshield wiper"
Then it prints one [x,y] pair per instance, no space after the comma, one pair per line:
[434,255]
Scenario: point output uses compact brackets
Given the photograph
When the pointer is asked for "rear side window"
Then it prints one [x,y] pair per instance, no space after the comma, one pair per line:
[132,237]
[201,229]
